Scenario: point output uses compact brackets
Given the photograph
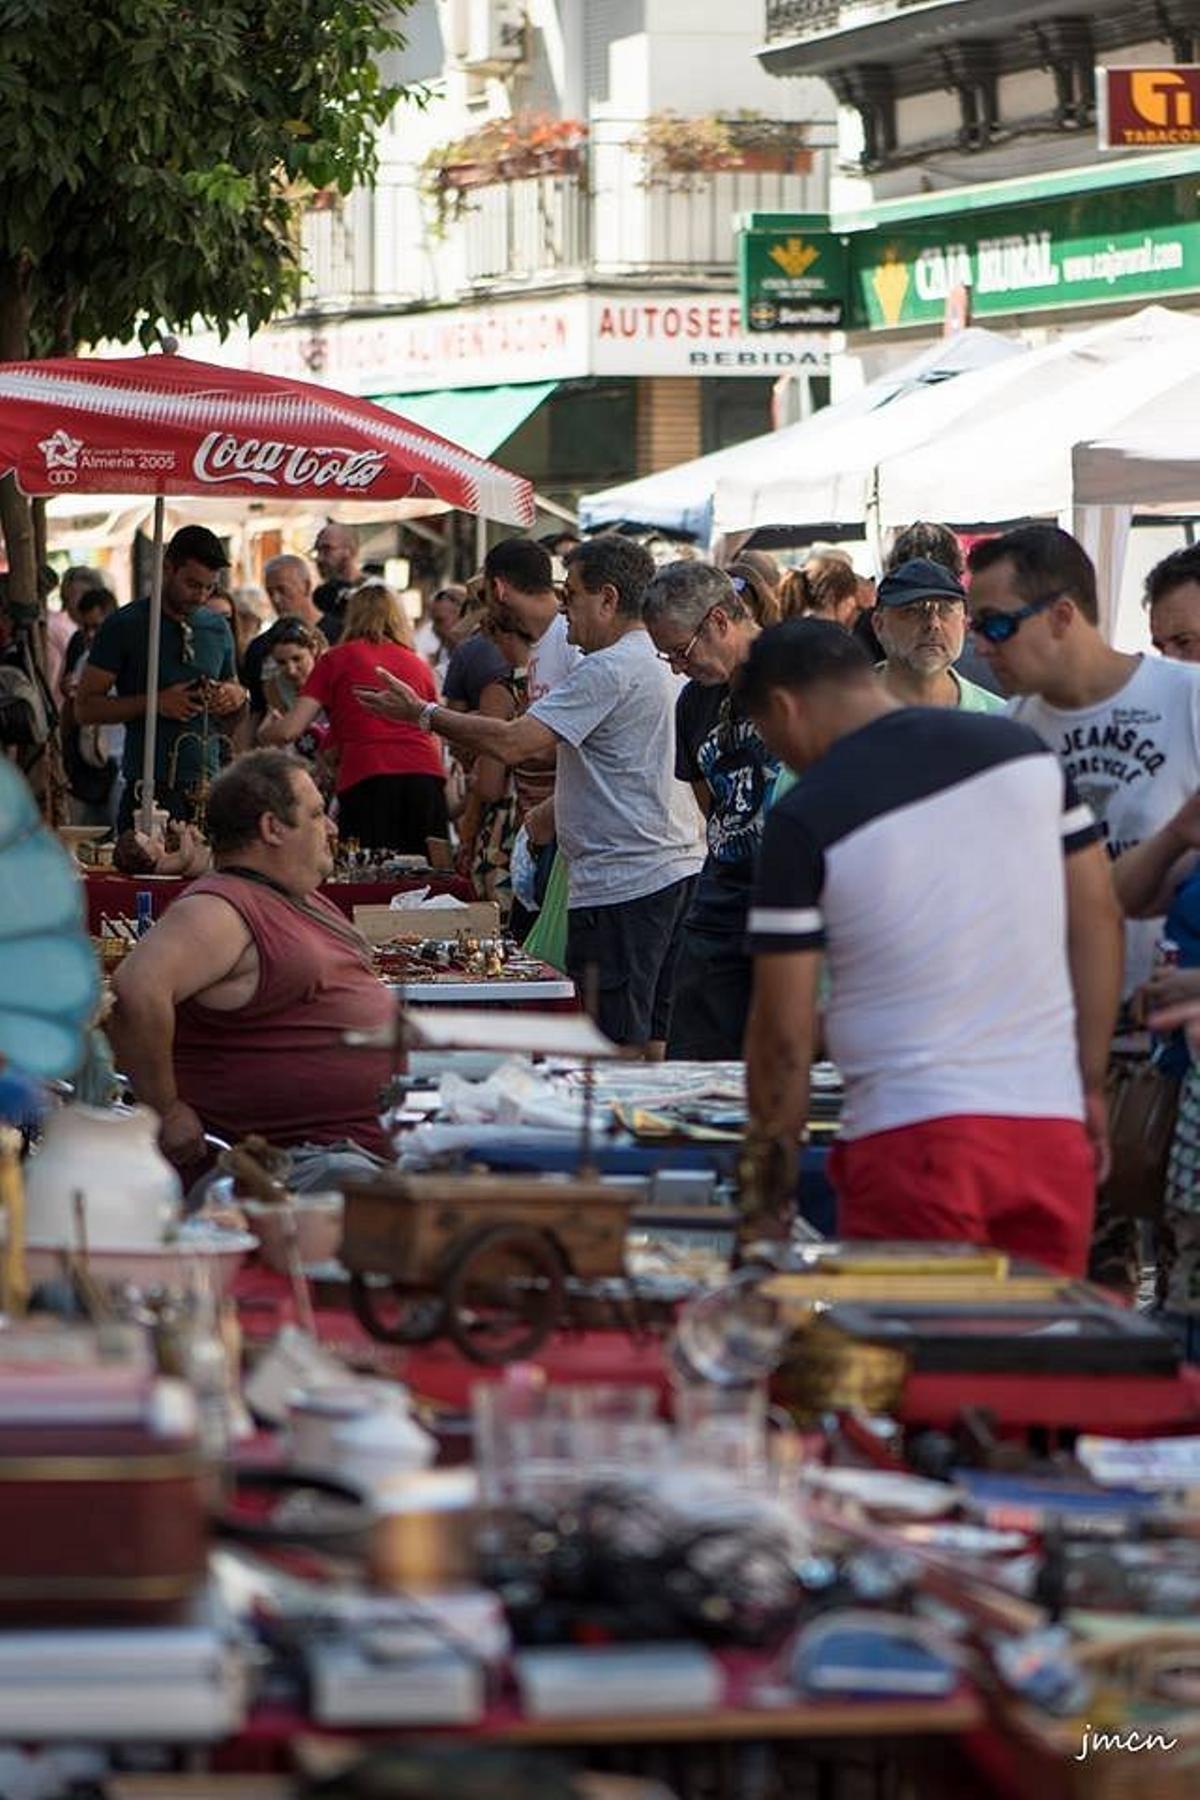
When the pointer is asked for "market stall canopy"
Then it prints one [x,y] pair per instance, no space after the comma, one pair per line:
[1150,459]
[165,425]
[1011,456]
[481,419]
[680,499]
[965,452]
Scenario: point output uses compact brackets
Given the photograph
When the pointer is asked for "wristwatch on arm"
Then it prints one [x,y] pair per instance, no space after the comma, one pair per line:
[425,716]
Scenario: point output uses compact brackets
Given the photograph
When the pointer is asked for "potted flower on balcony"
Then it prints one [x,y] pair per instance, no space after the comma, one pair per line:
[775,146]
[676,150]
[516,148]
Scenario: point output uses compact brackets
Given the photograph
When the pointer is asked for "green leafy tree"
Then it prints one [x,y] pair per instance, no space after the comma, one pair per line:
[152,156]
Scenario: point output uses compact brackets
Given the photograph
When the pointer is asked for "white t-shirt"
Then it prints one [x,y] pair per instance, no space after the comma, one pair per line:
[550,660]
[626,826]
[923,855]
[1134,759]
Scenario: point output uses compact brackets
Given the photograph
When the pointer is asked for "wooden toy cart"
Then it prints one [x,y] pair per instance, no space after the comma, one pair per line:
[481,1259]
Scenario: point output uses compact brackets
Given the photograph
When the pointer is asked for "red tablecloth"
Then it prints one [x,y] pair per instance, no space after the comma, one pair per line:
[1134,1406]
[116,895]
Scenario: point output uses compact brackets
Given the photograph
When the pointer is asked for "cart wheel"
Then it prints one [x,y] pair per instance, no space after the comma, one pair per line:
[503,1291]
[395,1314]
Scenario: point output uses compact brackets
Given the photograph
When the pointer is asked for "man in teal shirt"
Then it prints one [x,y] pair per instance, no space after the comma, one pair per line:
[920,619]
[196,685]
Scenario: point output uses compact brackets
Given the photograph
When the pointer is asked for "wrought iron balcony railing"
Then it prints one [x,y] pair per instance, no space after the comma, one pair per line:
[377,247]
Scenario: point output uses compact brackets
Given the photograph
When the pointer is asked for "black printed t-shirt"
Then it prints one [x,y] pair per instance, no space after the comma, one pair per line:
[716,744]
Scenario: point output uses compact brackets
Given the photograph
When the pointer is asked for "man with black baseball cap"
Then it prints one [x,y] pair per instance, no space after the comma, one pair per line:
[920,620]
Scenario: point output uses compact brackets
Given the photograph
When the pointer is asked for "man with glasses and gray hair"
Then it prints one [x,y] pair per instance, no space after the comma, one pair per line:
[1126,729]
[702,624]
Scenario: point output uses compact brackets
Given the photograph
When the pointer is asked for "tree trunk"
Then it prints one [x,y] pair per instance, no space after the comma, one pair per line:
[15,301]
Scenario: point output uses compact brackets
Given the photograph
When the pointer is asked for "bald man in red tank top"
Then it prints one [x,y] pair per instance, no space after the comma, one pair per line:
[231,1012]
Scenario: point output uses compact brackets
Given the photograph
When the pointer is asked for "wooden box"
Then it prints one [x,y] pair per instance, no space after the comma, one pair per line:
[98,1523]
[407,1225]
[381,924]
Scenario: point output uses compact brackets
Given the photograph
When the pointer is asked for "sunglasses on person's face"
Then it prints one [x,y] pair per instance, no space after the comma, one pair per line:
[681,655]
[1000,627]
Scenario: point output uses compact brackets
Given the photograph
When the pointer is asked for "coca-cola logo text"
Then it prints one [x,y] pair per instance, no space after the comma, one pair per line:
[269,463]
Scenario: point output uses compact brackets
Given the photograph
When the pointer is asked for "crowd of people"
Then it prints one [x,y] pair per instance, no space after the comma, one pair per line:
[939,830]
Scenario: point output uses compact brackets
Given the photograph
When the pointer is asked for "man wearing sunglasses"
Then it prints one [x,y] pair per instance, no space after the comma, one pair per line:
[702,626]
[1126,729]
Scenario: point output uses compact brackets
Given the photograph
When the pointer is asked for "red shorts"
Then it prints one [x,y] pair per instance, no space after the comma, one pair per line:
[1023,1185]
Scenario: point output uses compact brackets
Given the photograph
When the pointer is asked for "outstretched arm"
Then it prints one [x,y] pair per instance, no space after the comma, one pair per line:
[509,741]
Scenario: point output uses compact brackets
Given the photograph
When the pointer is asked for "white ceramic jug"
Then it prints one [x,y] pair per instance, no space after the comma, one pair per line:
[382,1445]
[131,1194]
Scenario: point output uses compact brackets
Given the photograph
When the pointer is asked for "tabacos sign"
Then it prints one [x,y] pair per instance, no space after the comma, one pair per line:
[1148,108]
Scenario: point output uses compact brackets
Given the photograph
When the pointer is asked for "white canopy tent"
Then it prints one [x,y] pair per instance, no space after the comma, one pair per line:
[989,449]
[1020,461]
[680,499]
[1149,461]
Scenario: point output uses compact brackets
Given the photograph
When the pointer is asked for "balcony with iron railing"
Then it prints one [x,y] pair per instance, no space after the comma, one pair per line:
[800,18]
[603,216]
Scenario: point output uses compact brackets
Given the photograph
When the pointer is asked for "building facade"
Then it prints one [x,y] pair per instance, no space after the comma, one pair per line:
[546,267]
[969,183]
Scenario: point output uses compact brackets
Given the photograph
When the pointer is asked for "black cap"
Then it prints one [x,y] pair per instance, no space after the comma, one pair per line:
[918,579]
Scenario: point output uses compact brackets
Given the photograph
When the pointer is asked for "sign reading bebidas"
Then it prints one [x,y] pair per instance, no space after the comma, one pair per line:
[1148,109]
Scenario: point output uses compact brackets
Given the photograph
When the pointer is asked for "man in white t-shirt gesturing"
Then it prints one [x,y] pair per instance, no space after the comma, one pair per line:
[1126,729]
[632,835]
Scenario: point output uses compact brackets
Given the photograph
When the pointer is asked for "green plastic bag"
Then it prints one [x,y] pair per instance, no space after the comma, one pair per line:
[548,938]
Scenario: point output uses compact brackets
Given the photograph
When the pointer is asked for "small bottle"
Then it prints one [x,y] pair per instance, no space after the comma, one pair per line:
[145,911]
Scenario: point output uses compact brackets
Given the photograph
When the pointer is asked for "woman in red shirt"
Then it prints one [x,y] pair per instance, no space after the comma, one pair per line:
[390,780]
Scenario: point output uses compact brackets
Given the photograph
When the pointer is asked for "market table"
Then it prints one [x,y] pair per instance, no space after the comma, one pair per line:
[114,895]
[736,1717]
[548,991]
[1132,1405]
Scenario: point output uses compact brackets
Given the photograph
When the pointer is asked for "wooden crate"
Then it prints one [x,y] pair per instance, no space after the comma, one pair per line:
[406,1225]
[380,924]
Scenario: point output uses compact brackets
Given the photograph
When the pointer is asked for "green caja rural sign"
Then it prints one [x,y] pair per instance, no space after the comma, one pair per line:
[1140,241]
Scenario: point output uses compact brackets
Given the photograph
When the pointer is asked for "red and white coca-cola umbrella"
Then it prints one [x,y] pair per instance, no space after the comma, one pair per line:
[165,425]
